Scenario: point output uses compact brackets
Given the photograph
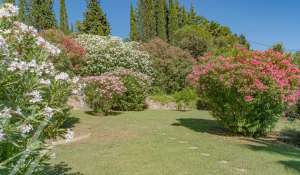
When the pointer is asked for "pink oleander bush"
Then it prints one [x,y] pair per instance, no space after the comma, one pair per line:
[248,92]
[137,85]
[101,91]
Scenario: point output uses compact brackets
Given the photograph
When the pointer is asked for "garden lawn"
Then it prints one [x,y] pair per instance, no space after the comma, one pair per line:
[168,143]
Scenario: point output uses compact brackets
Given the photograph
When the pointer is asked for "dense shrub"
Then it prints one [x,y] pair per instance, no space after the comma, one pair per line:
[101,91]
[106,54]
[195,39]
[73,54]
[293,112]
[184,98]
[171,65]
[202,104]
[248,92]
[137,85]
[33,96]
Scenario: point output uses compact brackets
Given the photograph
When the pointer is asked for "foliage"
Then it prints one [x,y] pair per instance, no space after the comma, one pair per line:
[278,47]
[137,85]
[101,91]
[133,25]
[194,39]
[33,96]
[73,55]
[184,98]
[202,104]
[64,22]
[106,54]
[162,98]
[171,65]
[248,92]
[170,16]
[95,21]
[172,20]
[22,11]
[42,15]
[161,19]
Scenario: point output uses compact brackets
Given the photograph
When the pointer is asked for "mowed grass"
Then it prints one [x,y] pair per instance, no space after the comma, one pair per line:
[168,143]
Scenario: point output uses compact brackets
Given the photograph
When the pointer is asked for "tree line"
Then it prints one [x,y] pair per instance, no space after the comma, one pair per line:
[162,18]
[148,19]
[41,15]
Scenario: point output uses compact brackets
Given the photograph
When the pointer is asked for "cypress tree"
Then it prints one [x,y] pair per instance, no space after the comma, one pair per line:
[22,11]
[95,21]
[133,25]
[173,20]
[42,15]
[149,24]
[64,22]
[139,19]
[192,15]
[161,19]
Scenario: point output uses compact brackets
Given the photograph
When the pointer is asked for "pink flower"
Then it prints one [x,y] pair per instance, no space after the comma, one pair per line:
[255,62]
[248,98]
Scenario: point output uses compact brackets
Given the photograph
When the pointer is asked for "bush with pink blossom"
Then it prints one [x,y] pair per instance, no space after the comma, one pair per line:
[137,85]
[249,91]
[101,91]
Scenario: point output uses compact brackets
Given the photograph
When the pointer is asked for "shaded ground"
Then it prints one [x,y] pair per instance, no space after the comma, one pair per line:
[170,143]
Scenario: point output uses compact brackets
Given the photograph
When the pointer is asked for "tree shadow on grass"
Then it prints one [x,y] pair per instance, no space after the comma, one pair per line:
[291,164]
[290,136]
[203,126]
[274,147]
[59,169]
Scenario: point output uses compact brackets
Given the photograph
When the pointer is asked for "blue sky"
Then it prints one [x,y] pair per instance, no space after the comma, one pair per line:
[264,22]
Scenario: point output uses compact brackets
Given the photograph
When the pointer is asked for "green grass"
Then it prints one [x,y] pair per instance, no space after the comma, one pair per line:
[169,143]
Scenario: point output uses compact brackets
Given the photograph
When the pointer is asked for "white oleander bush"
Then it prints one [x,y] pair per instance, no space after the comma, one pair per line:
[33,96]
[106,54]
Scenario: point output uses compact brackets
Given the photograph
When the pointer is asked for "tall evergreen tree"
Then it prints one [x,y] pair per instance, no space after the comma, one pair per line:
[64,22]
[161,19]
[95,21]
[133,25]
[42,14]
[22,11]
[192,15]
[139,19]
[149,24]
[173,20]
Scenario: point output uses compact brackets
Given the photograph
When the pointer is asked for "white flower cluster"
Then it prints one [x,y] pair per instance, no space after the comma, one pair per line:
[21,29]
[48,112]
[6,113]
[45,82]
[69,136]
[32,66]
[2,135]
[62,77]
[53,50]
[25,129]
[105,54]
[35,97]
[3,45]
[8,10]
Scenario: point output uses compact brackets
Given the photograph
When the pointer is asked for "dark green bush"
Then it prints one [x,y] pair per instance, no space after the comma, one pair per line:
[134,98]
[171,65]
[202,104]
[195,39]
